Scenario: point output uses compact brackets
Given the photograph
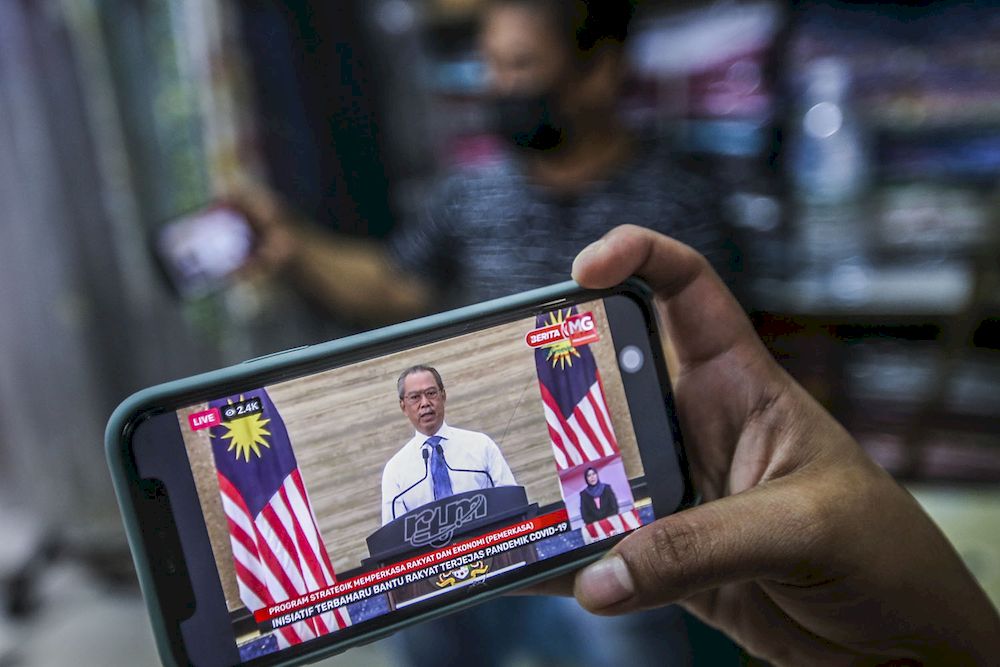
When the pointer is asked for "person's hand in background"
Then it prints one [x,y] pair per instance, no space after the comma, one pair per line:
[805,551]
[277,232]
[352,277]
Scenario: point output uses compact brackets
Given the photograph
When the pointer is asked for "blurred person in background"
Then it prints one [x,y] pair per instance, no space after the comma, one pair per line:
[572,171]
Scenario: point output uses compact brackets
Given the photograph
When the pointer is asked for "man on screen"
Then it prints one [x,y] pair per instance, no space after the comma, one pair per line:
[438,461]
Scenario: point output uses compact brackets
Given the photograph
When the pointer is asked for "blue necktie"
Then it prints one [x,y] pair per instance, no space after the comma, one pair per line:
[439,470]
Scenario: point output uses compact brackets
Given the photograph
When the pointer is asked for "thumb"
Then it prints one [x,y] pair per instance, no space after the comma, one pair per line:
[762,532]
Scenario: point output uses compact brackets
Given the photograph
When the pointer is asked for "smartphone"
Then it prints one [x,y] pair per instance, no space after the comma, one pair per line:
[302,503]
[198,252]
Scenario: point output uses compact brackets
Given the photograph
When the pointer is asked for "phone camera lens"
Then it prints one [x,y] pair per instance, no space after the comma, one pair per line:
[631,359]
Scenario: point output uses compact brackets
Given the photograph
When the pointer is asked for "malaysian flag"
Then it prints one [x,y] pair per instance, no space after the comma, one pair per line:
[573,399]
[278,552]
[613,525]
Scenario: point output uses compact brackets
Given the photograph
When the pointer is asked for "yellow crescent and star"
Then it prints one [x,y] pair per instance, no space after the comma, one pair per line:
[562,351]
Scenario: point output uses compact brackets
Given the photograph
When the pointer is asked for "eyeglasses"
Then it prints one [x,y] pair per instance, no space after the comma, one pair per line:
[413,398]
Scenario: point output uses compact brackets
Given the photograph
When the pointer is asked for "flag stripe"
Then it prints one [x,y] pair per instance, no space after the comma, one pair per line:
[558,451]
[321,626]
[281,548]
[600,413]
[285,533]
[289,541]
[231,497]
[297,479]
[570,455]
[585,410]
[586,436]
[306,549]
[313,544]
[246,579]
[239,536]
[303,630]
[597,413]
[554,417]
[610,526]
[549,400]
[279,575]
[569,450]
[290,636]
[248,560]
[602,407]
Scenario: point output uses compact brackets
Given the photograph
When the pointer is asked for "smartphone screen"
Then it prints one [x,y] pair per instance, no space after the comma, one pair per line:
[199,251]
[335,502]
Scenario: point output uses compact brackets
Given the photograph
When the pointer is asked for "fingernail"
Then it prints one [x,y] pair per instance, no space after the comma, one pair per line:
[605,583]
[589,250]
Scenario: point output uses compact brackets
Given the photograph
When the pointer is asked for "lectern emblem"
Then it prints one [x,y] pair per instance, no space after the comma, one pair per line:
[464,573]
[436,525]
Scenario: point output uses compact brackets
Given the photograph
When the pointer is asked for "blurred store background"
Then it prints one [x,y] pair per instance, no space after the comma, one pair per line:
[859,144]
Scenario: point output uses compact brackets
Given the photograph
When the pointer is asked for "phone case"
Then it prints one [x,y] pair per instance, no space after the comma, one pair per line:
[192,389]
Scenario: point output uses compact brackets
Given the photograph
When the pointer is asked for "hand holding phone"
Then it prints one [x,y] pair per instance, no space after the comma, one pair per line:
[807,552]
[274,224]
[251,231]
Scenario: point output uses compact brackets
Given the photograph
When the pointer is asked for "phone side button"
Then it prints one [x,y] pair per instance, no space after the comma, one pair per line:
[275,354]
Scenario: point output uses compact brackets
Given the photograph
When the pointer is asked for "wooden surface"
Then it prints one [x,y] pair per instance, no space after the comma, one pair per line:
[346,423]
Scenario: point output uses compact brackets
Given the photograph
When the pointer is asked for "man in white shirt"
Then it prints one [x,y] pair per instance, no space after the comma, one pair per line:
[439,460]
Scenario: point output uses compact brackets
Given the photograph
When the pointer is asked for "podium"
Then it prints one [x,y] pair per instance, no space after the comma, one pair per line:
[446,521]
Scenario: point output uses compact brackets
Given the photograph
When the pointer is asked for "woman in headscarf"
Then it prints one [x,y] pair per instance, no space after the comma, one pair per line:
[597,500]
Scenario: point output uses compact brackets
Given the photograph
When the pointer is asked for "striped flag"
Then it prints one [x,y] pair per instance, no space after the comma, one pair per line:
[278,552]
[576,412]
[614,525]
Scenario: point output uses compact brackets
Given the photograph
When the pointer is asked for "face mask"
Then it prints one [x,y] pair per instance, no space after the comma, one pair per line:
[527,121]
